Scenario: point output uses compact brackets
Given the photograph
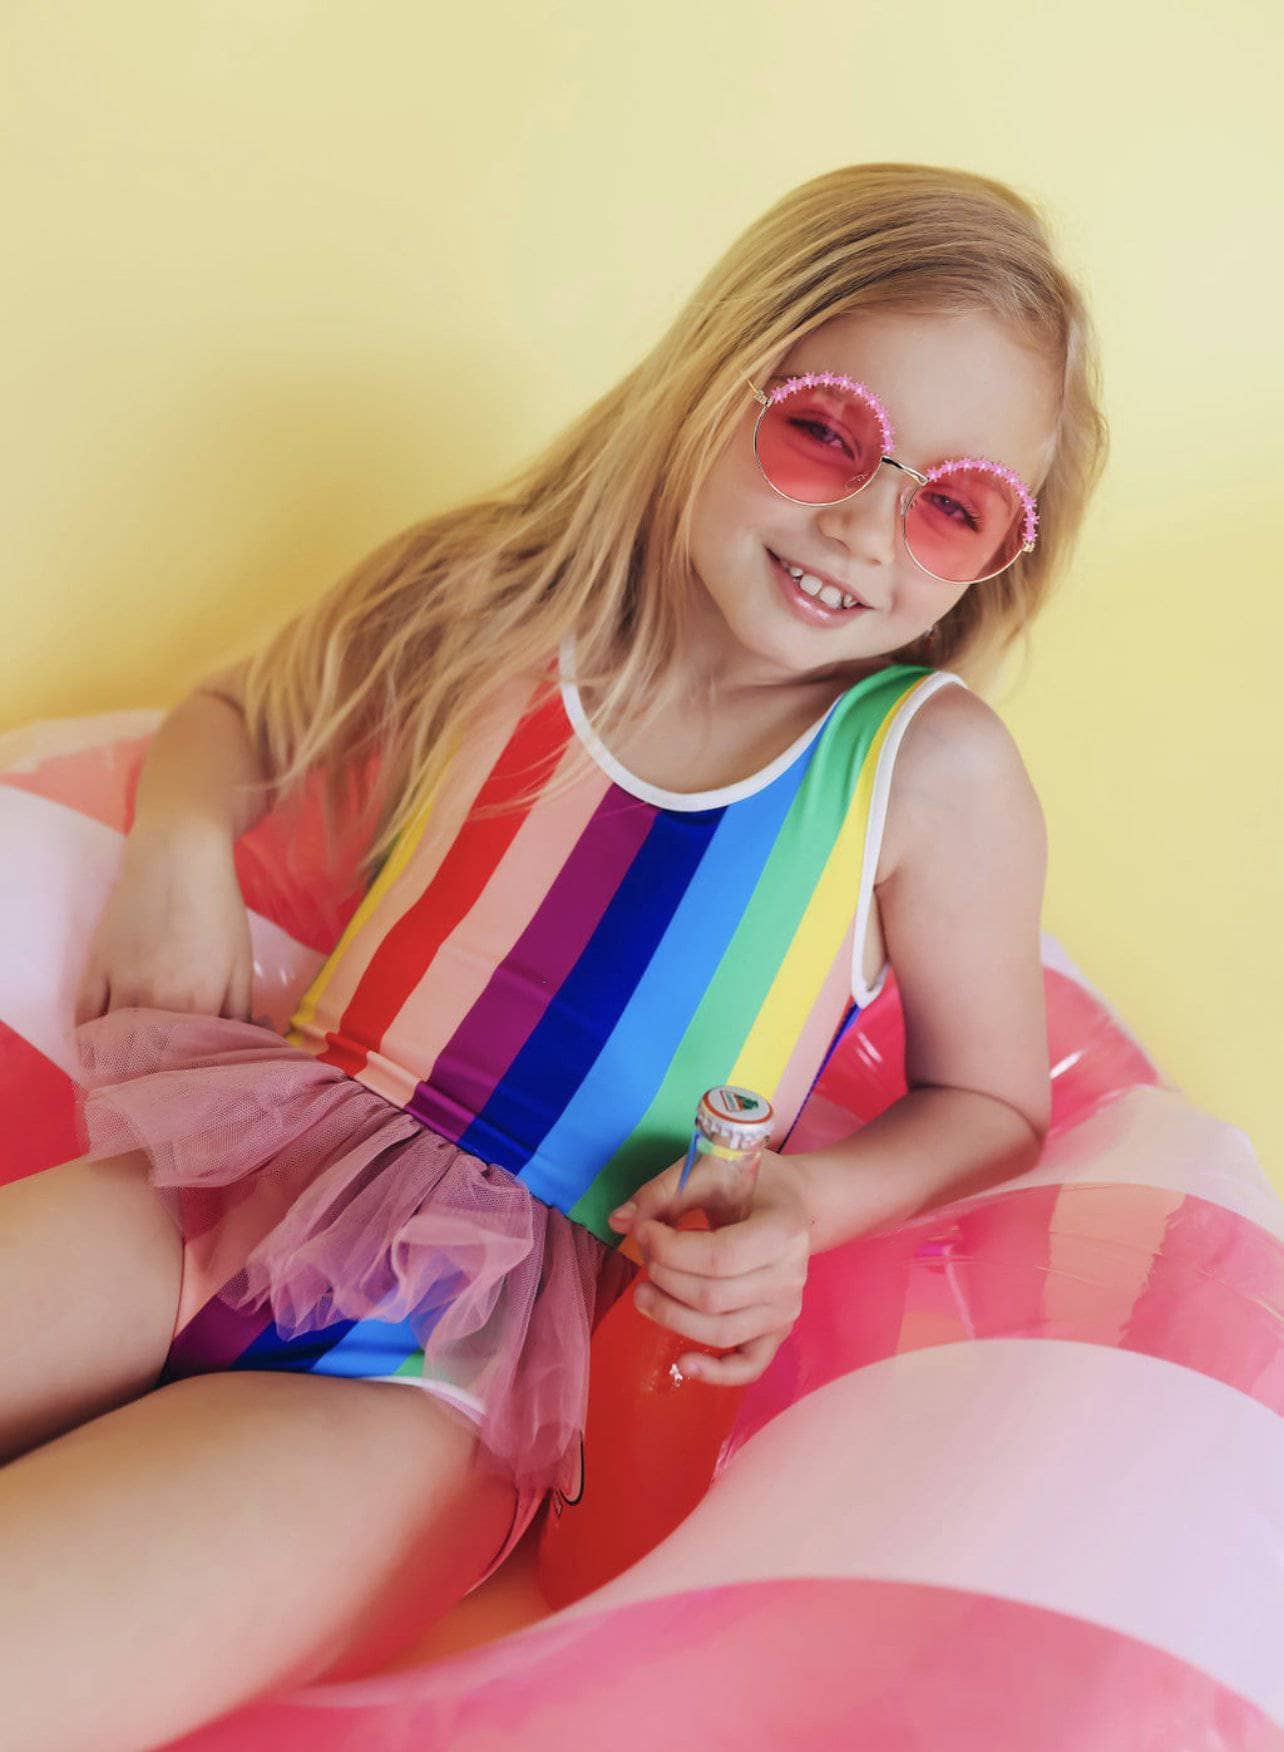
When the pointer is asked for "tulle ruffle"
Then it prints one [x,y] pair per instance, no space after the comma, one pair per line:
[348,1209]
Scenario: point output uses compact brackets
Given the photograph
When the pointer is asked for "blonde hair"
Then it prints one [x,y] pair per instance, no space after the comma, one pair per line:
[395,664]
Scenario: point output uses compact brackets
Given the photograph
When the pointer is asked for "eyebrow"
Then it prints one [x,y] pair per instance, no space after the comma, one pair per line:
[785,376]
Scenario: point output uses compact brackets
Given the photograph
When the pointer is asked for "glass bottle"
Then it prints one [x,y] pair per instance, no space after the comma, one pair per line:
[653,1434]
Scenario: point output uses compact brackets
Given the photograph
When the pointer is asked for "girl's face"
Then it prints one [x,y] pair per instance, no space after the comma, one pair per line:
[952,385]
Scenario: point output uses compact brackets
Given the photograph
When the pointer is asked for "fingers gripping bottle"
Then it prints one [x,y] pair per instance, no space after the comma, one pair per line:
[652,1435]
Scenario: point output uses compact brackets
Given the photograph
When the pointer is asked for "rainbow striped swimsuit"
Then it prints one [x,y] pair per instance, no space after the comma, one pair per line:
[553,988]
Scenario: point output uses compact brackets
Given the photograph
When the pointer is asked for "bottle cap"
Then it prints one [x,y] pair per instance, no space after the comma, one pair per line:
[735,1117]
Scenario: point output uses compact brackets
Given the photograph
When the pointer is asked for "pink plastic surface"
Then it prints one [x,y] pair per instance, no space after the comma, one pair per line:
[1015,1480]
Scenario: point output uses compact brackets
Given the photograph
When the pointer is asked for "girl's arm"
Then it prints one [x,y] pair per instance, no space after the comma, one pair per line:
[961,912]
[174,933]
[196,769]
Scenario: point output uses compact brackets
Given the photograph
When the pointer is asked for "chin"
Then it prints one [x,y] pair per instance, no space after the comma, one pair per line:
[771,644]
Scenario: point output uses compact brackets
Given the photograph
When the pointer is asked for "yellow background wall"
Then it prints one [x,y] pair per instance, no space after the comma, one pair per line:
[291,274]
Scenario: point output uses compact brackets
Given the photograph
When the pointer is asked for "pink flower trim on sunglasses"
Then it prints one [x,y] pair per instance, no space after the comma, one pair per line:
[811,378]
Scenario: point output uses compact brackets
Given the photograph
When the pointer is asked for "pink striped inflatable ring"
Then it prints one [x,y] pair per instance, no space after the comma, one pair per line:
[1015,1481]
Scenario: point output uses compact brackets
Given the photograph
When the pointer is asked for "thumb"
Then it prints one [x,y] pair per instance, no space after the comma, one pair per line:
[659,1198]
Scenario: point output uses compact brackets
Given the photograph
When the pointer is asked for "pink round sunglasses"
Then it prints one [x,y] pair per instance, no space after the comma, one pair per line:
[827,445]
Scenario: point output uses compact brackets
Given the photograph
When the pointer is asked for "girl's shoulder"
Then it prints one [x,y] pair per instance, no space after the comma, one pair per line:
[957,764]
[961,910]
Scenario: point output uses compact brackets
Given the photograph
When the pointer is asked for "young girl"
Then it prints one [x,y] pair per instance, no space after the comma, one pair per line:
[660,756]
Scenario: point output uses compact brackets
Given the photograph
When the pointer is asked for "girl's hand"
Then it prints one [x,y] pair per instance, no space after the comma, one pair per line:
[738,1287]
[175,933]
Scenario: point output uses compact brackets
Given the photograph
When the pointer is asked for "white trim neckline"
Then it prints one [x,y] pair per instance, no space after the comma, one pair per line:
[648,793]
[692,800]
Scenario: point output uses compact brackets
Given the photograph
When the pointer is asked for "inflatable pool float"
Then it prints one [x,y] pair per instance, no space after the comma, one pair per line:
[1015,1480]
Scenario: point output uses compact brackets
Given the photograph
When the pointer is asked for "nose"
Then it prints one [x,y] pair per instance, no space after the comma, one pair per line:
[869,526]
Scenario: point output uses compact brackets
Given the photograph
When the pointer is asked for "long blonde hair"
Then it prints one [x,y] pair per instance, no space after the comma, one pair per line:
[393,667]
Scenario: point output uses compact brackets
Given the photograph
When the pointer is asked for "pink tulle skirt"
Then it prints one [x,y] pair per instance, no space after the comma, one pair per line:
[309,1201]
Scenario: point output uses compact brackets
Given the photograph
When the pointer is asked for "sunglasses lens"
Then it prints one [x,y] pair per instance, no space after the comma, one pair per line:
[965,525]
[819,443]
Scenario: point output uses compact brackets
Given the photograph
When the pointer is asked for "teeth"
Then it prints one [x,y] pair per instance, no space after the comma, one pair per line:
[828,593]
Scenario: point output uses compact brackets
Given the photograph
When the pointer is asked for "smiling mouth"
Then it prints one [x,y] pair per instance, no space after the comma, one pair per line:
[815,590]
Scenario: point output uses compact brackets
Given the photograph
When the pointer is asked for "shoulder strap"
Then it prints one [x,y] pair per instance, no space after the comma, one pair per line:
[899,715]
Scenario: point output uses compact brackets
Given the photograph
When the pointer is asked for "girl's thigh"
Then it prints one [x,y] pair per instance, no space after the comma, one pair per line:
[229,1535]
[90,1274]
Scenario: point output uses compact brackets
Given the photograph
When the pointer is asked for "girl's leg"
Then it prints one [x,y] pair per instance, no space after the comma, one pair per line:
[225,1536]
[90,1270]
